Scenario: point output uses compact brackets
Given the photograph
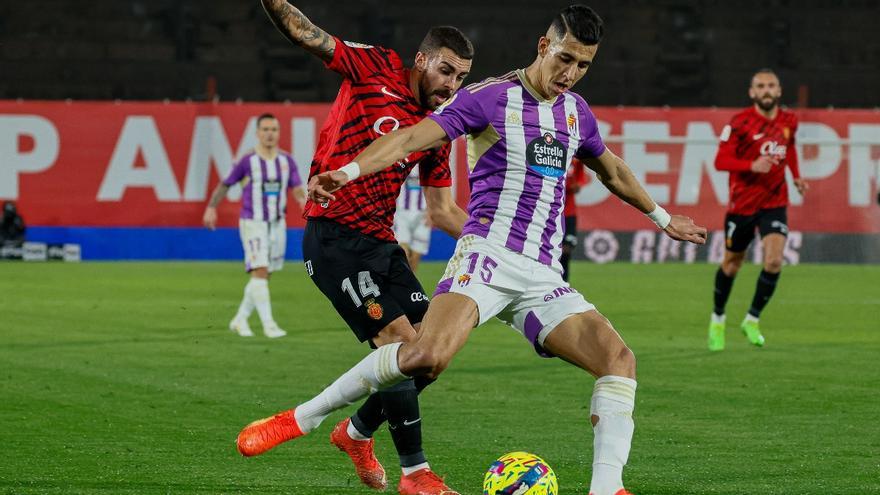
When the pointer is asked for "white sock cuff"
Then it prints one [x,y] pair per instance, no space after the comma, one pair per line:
[616,388]
[386,369]
[258,282]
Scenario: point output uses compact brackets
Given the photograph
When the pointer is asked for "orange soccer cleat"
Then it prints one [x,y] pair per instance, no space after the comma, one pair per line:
[266,433]
[368,468]
[423,482]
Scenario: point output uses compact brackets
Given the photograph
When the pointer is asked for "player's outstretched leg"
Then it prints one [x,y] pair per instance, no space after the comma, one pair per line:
[589,341]
[377,370]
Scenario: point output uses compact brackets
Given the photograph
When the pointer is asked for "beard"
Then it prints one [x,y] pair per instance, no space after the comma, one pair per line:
[766,103]
[425,94]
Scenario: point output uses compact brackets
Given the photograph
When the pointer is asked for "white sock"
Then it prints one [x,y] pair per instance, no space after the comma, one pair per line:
[751,319]
[408,470]
[354,434]
[718,318]
[613,402]
[247,305]
[376,371]
[258,289]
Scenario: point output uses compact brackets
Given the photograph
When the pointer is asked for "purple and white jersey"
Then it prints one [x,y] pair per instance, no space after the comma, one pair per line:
[519,148]
[265,185]
[411,198]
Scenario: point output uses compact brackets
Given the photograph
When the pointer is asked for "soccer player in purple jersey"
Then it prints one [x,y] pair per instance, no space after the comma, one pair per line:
[411,226]
[266,175]
[523,130]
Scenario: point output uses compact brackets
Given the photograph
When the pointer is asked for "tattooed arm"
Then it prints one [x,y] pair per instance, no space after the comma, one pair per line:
[299,29]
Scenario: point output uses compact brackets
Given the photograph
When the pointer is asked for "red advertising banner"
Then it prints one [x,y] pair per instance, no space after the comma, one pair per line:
[155,164]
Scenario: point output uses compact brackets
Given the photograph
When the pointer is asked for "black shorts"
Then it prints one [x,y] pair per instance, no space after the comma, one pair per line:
[571,235]
[368,280]
[740,229]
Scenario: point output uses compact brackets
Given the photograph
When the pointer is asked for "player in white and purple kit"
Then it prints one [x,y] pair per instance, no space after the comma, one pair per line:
[267,175]
[523,130]
[411,226]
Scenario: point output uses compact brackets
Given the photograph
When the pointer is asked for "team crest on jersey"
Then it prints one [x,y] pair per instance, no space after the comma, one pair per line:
[355,44]
[464,280]
[547,156]
[571,120]
[374,309]
[786,132]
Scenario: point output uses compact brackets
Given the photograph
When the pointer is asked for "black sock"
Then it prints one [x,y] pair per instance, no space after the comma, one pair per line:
[401,404]
[565,259]
[763,292]
[370,416]
[723,284]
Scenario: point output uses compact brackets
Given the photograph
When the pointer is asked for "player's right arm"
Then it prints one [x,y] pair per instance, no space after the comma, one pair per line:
[209,218]
[380,154]
[296,27]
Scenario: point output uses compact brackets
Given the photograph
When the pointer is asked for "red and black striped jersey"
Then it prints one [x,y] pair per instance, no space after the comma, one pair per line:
[748,136]
[375,99]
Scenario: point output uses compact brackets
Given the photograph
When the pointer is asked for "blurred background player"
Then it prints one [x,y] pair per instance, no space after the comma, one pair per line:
[267,176]
[349,247]
[12,228]
[411,226]
[575,179]
[756,147]
[528,127]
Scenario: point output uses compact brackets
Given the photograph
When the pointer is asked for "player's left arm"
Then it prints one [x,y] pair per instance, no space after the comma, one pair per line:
[616,175]
[299,194]
[443,212]
[794,165]
[209,217]
[380,154]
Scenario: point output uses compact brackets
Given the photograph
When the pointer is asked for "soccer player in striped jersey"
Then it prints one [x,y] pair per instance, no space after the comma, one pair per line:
[266,174]
[756,148]
[411,226]
[523,130]
[349,247]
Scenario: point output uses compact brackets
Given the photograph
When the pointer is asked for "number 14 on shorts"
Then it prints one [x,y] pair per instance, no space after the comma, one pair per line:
[366,285]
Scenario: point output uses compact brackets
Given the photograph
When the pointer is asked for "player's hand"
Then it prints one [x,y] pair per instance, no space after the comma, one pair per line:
[763,164]
[324,184]
[210,218]
[682,228]
[801,186]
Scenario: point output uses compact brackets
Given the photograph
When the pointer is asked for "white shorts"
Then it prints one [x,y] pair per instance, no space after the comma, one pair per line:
[264,243]
[410,228]
[529,296]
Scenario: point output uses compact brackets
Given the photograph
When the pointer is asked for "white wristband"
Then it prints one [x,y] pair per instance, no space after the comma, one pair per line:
[352,170]
[660,217]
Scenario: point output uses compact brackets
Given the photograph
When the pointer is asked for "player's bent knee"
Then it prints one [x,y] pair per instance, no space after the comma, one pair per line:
[423,362]
[773,265]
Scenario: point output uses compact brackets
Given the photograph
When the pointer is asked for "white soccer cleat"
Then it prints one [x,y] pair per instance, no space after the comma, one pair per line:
[241,327]
[273,331]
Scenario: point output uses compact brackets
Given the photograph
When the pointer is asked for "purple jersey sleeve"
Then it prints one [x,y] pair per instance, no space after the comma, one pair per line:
[238,172]
[591,142]
[294,180]
[462,114]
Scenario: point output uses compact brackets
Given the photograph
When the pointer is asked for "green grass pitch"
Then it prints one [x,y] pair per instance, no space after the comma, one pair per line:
[121,378]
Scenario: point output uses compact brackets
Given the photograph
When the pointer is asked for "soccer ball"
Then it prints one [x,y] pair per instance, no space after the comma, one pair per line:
[520,473]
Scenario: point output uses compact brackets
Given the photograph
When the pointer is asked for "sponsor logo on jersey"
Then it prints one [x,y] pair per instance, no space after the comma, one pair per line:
[558,292]
[772,148]
[547,156]
[418,296]
[374,309]
[386,124]
[271,187]
[389,93]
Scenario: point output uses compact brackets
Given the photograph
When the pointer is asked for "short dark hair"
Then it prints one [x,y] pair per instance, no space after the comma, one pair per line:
[580,21]
[265,116]
[765,70]
[447,37]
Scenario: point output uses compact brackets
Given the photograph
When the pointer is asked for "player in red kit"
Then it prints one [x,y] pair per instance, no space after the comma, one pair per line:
[576,179]
[349,248]
[756,147]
